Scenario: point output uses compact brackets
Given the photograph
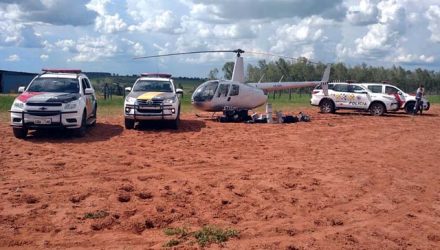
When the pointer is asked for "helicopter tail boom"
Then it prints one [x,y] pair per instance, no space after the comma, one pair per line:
[271,86]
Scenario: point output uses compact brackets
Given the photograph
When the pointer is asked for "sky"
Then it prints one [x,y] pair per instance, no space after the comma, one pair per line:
[105,36]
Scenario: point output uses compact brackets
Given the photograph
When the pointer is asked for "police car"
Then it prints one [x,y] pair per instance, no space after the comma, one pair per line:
[154,97]
[406,101]
[345,95]
[56,98]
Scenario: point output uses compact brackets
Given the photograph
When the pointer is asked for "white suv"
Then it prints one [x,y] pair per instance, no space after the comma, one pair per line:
[352,96]
[55,99]
[152,98]
[406,101]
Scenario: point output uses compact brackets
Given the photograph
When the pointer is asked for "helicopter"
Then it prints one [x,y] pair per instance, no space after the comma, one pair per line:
[235,96]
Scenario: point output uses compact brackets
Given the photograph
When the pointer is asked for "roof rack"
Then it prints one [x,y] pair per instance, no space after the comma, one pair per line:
[159,75]
[72,71]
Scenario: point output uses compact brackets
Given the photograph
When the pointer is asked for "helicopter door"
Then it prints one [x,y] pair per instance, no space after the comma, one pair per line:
[222,94]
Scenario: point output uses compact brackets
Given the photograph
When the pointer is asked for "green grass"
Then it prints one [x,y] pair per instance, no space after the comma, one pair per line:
[204,237]
[115,105]
[210,234]
[178,231]
[96,215]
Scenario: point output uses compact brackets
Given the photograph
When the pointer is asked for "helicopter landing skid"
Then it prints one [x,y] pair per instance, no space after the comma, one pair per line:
[234,115]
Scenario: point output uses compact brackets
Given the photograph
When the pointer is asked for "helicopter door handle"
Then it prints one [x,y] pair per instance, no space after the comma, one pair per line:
[229,98]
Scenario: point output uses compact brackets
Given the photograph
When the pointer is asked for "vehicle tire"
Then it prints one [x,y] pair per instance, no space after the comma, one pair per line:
[428,105]
[81,131]
[327,106]
[129,124]
[175,124]
[409,107]
[377,109]
[20,133]
[94,115]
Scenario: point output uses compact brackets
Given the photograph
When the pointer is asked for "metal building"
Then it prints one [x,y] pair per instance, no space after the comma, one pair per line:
[11,80]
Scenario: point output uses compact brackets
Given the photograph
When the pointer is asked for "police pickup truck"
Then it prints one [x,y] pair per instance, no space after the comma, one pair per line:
[56,98]
[343,95]
[153,97]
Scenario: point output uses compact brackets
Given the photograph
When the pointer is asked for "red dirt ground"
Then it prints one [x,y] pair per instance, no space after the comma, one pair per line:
[347,180]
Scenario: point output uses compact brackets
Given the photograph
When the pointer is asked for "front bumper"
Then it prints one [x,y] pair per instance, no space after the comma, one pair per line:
[151,113]
[45,119]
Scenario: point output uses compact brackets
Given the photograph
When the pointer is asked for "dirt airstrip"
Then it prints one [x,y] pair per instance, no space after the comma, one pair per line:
[346,180]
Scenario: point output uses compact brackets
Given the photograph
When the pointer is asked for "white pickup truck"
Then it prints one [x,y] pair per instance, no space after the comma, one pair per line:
[406,101]
[56,98]
[343,95]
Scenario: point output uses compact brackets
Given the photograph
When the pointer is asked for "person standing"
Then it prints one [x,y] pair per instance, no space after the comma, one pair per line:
[419,103]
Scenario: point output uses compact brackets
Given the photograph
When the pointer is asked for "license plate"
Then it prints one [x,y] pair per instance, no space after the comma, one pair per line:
[43,121]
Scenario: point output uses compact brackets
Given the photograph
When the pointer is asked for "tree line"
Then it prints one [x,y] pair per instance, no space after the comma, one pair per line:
[304,70]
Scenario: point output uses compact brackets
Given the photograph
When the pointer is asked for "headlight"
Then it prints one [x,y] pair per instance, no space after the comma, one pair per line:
[130,100]
[70,105]
[18,104]
[169,100]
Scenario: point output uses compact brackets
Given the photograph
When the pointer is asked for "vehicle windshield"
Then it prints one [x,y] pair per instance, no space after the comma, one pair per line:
[205,92]
[60,85]
[152,86]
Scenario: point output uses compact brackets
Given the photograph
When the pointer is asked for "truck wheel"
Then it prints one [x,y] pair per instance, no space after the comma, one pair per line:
[94,115]
[129,124]
[175,123]
[20,133]
[409,108]
[327,106]
[81,131]
[377,109]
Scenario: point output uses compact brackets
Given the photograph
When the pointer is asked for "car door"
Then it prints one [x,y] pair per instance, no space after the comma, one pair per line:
[391,90]
[340,96]
[221,97]
[358,97]
[89,98]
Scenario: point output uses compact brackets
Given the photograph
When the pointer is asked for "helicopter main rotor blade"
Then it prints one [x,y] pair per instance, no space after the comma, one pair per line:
[238,51]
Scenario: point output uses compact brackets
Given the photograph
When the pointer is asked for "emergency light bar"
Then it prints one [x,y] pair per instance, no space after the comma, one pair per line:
[159,75]
[74,71]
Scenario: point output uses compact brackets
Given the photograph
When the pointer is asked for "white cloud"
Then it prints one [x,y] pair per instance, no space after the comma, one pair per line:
[135,48]
[92,49]
[13,58]
[99,6]
[300,39]
[433,15]
[109,24]
[228,11]
[66,45]
[364,14]
[157,21]
[384,36]
[414,59]
[44,57]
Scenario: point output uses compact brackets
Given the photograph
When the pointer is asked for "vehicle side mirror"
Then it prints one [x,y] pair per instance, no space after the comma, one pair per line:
[89,91]
[128,89]
[21,89]
[400,93]
[179,92]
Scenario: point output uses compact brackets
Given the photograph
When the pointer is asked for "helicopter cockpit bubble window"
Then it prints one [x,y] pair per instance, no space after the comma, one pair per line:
[223,90]
[235,90]
[152,86]
[206,91]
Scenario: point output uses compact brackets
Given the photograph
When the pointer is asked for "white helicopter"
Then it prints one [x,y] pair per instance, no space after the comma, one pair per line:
[235,94]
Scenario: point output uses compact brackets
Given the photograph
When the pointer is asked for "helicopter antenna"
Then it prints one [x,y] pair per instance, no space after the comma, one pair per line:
[281,78]
[261,78]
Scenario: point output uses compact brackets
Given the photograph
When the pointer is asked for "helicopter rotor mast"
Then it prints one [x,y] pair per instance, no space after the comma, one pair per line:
[237,73]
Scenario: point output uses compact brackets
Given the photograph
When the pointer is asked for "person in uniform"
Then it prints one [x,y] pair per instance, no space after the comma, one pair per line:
[419,103]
